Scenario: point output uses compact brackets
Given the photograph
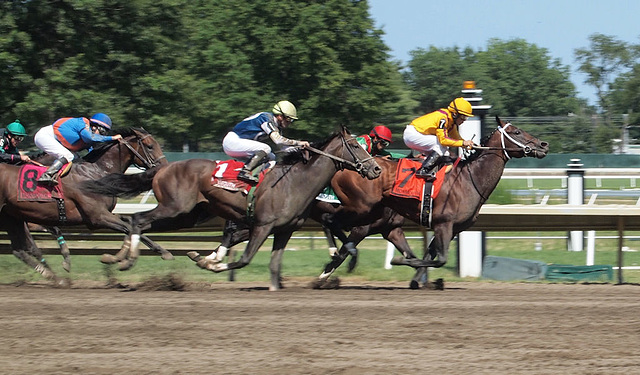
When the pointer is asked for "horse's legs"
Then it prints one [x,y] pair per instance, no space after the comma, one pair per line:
[331,241]
[161,218]
[233,234]
[25,249]
[280,241]
[64,248]
[438,250]
[164,253]
[422,273]
[258,235]
[62,244]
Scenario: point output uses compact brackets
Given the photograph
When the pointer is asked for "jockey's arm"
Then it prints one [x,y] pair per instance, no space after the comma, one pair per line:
[89,137]
[447,139]
[280,140]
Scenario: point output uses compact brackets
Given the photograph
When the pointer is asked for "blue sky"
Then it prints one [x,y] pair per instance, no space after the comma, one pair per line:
[560,26]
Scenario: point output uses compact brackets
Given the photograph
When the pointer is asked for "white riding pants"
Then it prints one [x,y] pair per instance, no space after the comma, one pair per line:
[46,140]
[243,149]
[423,143]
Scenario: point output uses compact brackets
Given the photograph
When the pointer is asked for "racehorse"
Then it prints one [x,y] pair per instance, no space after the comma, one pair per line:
[136,147]
[465,189]
[186,196]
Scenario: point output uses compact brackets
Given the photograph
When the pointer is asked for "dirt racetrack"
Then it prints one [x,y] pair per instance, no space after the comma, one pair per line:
[364,328]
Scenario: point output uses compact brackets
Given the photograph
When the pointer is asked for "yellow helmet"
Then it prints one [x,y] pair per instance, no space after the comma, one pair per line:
[285,107]
[461,106]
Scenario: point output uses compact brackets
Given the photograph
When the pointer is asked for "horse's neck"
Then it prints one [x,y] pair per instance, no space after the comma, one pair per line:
[316,174]
[486,170]
[116,160]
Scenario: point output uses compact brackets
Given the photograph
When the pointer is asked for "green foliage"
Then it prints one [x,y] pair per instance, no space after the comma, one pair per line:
[190,70]
[518,78]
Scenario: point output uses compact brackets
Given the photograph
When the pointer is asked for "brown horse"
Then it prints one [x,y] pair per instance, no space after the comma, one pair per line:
[92,210]
[466,188]
[186,196]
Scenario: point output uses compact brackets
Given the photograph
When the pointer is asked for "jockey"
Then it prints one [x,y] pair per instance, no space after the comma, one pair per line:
[376,141]
[244,141]
[10,138]
[68,135]
[433,134]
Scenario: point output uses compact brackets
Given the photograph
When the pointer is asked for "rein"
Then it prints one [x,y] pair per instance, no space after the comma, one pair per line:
[357,165]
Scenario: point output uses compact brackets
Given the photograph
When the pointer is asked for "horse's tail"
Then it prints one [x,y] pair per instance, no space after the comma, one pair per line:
[121,185]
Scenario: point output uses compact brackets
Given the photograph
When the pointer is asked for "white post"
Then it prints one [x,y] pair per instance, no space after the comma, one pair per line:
[390,251]
[470,253]
[591,247]
[575,196]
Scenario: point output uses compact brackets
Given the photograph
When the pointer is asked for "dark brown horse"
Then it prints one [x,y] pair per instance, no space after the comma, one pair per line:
[93,210]
[466,188]
[186,196]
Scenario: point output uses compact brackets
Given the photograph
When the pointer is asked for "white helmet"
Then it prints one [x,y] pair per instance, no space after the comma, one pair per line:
[284,107]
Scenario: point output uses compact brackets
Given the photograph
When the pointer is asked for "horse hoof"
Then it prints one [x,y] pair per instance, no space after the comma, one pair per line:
[109,259]
[167,256]
[194,256]
[126,265]
[331,283]
[414,284]
[62,283]
[352,264]
[438,284]
[66,266]
[398,261]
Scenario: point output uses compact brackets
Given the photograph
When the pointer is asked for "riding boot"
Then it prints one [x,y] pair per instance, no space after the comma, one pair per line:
[48,177]
[428,168]
[246,174]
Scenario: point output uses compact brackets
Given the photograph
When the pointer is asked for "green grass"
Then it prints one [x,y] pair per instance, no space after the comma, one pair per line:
[301,262]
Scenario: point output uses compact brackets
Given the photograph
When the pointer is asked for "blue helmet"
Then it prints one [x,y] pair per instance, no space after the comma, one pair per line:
[102,120]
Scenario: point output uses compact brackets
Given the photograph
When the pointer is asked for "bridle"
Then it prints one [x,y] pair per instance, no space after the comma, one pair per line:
[503,134]
[147,158]
[357,165]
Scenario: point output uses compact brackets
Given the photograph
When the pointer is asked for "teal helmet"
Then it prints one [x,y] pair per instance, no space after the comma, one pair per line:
[16,128]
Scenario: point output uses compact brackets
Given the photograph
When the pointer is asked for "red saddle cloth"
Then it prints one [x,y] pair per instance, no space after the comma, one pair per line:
[225,176]
[30,190]
[407,185]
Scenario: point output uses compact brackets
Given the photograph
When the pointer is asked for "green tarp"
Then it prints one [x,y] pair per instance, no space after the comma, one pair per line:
[508,269]
[559,272]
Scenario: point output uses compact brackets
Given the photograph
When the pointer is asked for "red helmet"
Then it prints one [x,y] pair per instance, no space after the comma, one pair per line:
[381,132]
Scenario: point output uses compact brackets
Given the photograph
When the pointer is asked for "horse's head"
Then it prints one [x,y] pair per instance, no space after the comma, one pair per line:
[359,159]
[145,149]
[517,143]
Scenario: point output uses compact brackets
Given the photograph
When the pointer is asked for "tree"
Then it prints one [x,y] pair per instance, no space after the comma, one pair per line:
[601,62]
[521,79]
[190,70]
[518,78]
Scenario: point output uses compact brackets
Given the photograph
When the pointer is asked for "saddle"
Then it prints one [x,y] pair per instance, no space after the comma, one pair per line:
[30,190]
[225,175]
[407,185]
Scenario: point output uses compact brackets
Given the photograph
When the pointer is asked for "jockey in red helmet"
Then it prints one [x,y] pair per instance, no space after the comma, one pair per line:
[376,141]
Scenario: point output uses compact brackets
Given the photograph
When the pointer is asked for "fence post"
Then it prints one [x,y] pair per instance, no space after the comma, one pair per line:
[575,196]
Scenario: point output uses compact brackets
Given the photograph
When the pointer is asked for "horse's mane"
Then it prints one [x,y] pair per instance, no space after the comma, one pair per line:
[299,154]
[99,149]
[477,153]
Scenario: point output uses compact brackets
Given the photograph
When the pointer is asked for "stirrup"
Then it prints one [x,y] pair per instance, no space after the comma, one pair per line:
[248,178]
[51,181]
[426,175]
